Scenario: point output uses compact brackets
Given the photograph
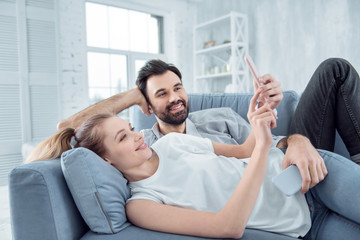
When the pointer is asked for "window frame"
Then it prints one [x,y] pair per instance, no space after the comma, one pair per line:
[131,56]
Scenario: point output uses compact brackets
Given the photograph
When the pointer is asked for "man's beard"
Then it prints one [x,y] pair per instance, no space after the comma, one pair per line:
[172,118]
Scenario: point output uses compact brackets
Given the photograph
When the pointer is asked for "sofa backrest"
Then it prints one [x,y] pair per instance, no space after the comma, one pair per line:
[238,102]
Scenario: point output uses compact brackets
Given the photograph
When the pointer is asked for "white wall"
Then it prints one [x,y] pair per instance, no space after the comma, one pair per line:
[72,56]
[289,39]
[73,69]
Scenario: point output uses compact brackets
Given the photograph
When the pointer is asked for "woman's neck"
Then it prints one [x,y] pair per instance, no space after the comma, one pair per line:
[144,171]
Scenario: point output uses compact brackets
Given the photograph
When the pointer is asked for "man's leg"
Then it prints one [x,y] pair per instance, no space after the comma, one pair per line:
[334,202]
[331,101]
[331,226]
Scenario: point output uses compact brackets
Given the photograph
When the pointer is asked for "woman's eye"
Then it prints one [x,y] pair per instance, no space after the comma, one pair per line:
[123,137]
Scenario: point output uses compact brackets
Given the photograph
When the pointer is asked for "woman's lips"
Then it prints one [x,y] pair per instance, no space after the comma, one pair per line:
[142,146]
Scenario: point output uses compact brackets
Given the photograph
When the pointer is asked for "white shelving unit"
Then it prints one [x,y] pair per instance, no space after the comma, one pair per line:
[219,49]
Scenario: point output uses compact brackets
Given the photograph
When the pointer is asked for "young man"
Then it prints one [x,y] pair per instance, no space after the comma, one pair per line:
[160,91]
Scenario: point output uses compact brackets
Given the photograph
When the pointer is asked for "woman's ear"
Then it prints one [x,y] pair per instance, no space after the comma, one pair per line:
[107,160]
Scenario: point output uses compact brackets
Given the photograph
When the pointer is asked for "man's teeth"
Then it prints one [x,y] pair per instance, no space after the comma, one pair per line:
[177,107]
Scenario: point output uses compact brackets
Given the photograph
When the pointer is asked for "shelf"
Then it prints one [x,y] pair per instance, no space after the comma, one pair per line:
[217,75]
[211,63]
[213,22]
[219,20]
[218,48]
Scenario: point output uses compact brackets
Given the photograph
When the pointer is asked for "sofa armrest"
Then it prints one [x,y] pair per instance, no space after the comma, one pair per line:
[41,206]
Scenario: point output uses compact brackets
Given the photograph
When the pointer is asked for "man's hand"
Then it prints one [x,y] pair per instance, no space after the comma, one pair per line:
[311,165]
[271,92]
[142,103]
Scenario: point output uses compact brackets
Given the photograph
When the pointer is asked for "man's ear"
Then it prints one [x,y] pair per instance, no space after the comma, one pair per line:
[150,109]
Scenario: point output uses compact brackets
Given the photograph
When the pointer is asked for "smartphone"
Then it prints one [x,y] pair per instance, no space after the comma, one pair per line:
[289,181]
[253,70]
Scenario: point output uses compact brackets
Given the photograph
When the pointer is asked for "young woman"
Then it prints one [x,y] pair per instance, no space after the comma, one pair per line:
[188,185]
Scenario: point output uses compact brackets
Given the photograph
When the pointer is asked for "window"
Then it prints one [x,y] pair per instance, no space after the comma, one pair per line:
[107,75]
[119,41]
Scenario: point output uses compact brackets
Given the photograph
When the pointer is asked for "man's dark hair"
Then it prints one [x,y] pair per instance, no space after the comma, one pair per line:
[153,67]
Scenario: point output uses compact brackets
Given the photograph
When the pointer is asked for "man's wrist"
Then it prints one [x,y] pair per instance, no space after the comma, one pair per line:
[137,96]
[294,138]
[282,143]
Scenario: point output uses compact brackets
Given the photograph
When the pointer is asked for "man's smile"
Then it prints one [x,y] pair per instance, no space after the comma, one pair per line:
[176,107]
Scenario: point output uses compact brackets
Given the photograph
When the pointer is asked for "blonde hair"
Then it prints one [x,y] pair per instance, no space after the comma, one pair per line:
[88,135]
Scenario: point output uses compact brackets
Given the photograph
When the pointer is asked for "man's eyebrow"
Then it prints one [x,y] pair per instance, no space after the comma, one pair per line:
[159,90]
[163,89]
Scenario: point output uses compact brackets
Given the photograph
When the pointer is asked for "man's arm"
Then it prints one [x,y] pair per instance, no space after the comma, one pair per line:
[282,143]
[112,105]
[301,152]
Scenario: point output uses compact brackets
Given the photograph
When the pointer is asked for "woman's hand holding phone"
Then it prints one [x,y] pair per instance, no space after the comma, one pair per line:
[261,120]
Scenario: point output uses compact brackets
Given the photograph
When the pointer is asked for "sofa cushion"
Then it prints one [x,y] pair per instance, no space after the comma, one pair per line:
[99,190]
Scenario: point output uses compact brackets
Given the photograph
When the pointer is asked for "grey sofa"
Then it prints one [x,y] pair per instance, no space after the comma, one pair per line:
[42,206]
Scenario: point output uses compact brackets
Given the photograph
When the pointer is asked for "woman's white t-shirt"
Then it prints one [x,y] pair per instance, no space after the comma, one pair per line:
[191,175]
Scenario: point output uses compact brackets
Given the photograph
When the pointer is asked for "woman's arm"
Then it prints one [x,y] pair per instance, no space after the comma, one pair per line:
[231,221]
[113,105]
[243,150]
[165,218]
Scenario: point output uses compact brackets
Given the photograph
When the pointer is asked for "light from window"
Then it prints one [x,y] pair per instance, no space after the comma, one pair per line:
[123,29]
[118,41]
[107,75]
[96,25]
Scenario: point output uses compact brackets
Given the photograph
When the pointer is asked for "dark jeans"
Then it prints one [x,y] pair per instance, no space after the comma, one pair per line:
[331,101]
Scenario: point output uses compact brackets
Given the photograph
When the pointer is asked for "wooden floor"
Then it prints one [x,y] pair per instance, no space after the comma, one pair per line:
[5,227]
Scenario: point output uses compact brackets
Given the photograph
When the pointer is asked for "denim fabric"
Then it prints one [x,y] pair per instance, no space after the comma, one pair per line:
[334,202]
[331,101]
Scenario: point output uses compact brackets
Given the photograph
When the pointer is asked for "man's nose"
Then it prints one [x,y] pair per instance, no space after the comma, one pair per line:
[174,97]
